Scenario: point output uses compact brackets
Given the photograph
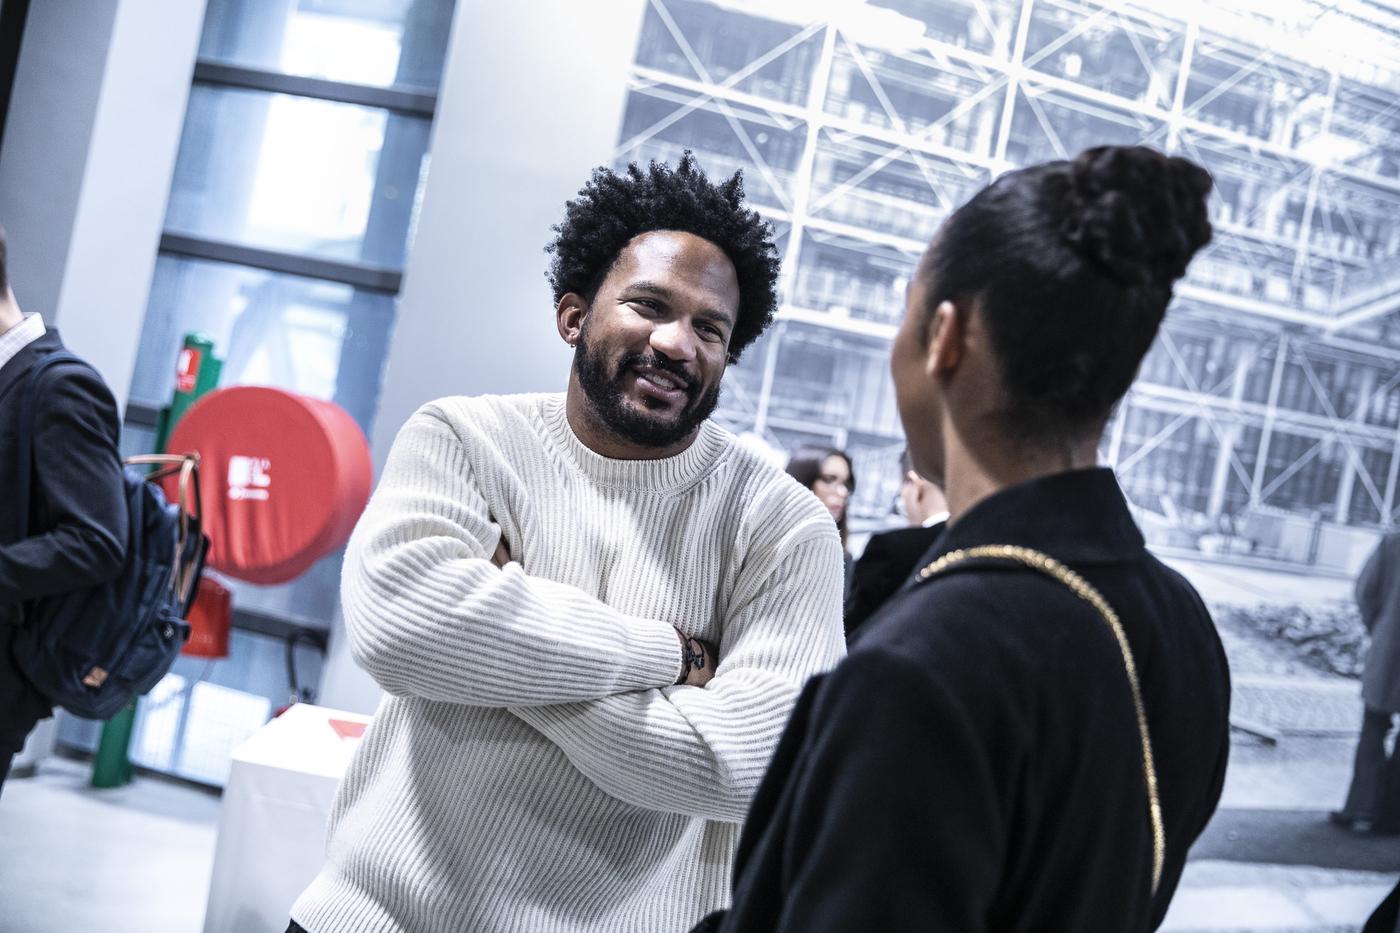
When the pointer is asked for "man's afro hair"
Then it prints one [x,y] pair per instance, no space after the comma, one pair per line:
[612,209]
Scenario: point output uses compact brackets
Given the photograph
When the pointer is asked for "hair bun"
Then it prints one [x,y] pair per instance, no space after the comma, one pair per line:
[1137,213]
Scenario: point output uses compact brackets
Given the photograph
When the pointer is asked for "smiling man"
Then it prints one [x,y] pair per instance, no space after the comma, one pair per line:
[543,584]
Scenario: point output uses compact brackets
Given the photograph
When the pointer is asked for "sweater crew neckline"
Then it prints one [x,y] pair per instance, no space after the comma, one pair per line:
[663,474]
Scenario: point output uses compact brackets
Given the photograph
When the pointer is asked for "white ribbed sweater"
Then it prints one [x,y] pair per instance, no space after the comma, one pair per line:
[532,769]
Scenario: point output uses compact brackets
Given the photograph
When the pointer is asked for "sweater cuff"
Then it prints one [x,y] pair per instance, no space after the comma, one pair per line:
[655,657]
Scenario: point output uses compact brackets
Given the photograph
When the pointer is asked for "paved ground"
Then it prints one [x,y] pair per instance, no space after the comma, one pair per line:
[134,859]
[1270,861]
[1228,897]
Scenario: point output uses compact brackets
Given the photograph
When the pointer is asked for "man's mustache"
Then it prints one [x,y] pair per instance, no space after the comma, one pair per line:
[653,361]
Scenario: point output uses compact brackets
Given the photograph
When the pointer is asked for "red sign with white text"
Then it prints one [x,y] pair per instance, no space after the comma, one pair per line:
[187,369]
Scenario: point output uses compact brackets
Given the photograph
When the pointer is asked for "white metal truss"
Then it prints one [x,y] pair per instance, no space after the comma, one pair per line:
[1329,202]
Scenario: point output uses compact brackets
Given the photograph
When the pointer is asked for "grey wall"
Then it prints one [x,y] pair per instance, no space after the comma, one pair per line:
[531,101]
[90,145]
[58,80]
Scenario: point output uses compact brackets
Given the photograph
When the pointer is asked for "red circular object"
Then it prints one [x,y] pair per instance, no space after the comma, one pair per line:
[284,479]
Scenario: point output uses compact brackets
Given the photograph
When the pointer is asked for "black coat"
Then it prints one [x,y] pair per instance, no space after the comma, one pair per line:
[1378,598]
[77,504]
[886,564]
[974,764]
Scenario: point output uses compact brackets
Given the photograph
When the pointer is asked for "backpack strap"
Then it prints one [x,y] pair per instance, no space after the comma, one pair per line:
[28,392]
[1047,565]
[184,575]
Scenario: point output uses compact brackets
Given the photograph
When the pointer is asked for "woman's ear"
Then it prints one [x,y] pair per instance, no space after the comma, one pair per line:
[947,329]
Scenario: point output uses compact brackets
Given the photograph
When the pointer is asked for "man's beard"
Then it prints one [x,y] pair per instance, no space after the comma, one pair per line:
[602,389]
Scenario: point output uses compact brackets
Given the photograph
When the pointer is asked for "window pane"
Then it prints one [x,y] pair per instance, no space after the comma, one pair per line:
[943,103]
[702,41]
[191,722]
[291,173]
[869,185]
[375,42]
[765,146]
[853,279]
[317,338]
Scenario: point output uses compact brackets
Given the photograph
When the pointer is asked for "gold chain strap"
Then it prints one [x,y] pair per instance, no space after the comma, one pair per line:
[1082,588]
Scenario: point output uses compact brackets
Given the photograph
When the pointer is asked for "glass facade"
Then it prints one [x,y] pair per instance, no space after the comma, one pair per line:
[319,338]
[296,174]
[382,43]
[291,211]
[290,216]
[1269,407]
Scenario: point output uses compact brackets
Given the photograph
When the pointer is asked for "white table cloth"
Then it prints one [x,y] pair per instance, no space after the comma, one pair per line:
[272,827]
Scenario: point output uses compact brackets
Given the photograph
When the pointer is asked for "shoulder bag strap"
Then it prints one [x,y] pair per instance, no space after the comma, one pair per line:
[1047,565]
[188,503]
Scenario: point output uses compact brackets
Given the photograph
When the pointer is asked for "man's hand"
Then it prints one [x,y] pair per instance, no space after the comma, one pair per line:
[697,661]
[502,555]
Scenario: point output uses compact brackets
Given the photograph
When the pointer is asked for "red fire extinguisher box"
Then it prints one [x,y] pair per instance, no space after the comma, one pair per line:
[210,618]
[284,479]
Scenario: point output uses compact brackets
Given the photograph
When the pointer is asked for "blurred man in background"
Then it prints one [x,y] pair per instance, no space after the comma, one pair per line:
[891,557]
[1373,802]
[923,500]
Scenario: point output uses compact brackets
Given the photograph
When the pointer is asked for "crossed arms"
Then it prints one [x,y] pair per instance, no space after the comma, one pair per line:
[429,614]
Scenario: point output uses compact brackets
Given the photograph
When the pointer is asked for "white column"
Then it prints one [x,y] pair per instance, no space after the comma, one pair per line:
[90,145]
[531,101]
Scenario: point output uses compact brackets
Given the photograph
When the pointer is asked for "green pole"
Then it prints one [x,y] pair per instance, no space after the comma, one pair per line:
[196,372]
[112,766]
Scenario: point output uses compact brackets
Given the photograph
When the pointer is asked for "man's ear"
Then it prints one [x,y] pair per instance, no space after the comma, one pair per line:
[947,329]
[569,315]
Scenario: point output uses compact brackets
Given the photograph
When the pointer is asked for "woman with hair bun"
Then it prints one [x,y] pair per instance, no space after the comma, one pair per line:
[1032,732]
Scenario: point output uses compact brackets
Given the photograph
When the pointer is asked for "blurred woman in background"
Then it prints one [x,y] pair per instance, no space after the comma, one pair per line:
[828,473]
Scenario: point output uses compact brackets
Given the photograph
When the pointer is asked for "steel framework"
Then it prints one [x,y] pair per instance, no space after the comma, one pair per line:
[1272,400]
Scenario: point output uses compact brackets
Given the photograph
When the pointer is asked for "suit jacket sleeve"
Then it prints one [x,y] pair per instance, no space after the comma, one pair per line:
[870,583]
[889,560]
[78,488]
[1368,586]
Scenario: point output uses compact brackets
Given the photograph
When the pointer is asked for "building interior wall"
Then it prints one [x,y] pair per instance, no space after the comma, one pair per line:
[369,229]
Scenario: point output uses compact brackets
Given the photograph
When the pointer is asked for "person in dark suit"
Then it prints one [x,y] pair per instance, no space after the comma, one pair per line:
[1015,742]
[1373,801]
[74,535]
[891,557]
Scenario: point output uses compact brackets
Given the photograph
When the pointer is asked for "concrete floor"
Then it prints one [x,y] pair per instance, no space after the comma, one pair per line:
[137,859]
[134,859]
[1229,897]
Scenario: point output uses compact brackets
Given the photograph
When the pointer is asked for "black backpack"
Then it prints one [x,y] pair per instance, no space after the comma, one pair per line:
[91,651]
